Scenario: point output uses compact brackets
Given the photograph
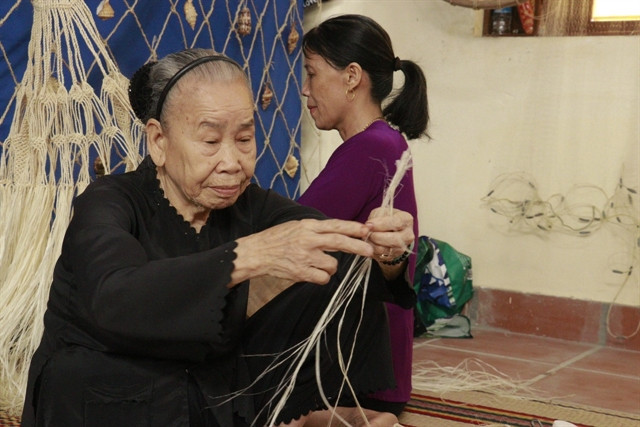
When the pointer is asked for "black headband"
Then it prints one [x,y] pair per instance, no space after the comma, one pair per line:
[184,70]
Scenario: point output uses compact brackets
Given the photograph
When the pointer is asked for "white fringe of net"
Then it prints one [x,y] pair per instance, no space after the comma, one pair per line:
[51,132]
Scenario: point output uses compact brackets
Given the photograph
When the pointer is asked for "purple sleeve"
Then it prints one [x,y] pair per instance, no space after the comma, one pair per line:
[346,187]
[352,183]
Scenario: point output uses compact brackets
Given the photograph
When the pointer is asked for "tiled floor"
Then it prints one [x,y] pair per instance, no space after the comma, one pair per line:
[567,371]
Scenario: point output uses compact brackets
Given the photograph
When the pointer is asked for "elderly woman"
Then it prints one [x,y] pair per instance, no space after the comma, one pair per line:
[147,318]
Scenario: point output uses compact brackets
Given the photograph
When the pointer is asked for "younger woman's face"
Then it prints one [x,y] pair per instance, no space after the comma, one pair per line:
[325,89]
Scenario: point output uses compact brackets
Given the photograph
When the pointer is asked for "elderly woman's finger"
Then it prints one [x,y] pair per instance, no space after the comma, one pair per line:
[337,226]
[298,250]
[334,235]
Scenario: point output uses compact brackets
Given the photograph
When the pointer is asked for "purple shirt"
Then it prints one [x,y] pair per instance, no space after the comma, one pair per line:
[349,187]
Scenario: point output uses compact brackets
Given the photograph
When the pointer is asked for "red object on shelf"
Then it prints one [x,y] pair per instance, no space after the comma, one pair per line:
[525,10]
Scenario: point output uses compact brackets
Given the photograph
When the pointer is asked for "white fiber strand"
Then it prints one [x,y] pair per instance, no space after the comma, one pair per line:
[340,298]
[365,271]
[357,274]
[469,375]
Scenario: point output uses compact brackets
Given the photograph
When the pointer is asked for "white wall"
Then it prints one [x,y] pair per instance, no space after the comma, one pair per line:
[564,110]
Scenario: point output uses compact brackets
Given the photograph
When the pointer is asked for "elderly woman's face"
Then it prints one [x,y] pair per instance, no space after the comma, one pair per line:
[209,144]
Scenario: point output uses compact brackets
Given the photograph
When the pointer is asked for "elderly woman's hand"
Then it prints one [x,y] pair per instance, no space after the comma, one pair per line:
[297,250]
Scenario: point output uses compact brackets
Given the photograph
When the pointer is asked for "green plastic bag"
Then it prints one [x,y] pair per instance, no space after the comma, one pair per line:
[443,281]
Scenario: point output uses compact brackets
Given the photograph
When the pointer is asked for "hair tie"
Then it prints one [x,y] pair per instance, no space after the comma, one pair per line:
[397,64]
[140,91]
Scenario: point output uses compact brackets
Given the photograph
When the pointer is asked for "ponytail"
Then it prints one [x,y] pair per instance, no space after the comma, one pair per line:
[409,109]
[370,46]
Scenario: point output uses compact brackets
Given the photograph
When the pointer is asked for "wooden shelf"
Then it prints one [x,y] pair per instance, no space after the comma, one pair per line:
[574,19]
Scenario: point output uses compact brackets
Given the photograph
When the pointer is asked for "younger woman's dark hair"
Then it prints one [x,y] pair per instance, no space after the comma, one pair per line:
[356,38]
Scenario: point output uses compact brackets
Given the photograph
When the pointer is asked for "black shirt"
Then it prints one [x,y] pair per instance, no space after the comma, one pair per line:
[139,304]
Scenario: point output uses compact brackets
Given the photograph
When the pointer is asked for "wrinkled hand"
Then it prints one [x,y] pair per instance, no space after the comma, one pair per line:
[297,250]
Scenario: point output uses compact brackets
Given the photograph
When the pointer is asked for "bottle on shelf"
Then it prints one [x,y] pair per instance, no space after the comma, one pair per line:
[501,21]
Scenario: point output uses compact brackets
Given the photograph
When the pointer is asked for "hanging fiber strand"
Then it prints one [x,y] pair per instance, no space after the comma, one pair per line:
[357,275]
[580,212]
[44,164]
[294,357]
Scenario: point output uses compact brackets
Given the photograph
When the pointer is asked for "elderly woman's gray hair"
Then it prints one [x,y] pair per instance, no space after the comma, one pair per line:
[152,86]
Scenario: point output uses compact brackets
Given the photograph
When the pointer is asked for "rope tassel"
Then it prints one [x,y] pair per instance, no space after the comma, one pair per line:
[45,163]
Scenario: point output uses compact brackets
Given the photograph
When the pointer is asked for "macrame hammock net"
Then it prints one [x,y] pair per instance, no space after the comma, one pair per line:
[69,120]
